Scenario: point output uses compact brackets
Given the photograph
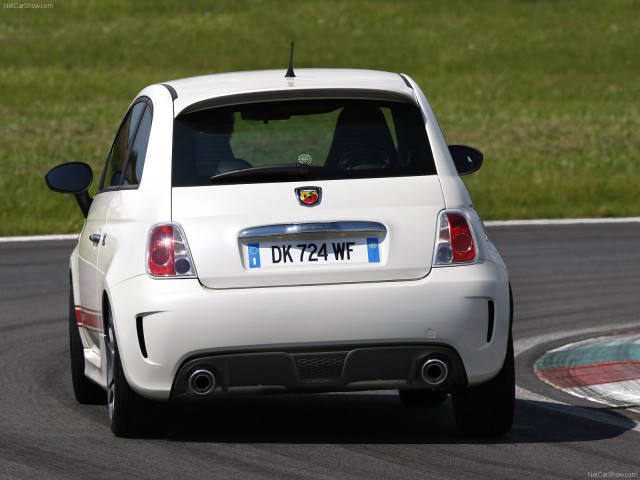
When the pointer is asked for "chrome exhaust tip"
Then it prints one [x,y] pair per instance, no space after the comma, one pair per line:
[434,371]
[202,382]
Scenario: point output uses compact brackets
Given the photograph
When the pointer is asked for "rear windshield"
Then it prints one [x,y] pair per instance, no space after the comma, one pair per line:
[301,139]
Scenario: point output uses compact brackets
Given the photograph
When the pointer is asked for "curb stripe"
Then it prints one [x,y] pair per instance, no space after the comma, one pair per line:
[621,394]
[588,375]
[601,369]
[589,355]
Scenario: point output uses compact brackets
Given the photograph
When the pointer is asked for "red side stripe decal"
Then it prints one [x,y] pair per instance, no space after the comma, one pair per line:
[88,318]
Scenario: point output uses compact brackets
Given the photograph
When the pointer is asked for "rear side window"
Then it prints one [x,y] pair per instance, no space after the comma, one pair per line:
[126,159]
[138,151]
[326,139]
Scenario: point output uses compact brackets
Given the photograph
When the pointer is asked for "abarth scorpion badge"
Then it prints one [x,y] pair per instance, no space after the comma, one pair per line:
[309,196]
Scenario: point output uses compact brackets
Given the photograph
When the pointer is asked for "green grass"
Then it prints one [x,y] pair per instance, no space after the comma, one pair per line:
[548,90]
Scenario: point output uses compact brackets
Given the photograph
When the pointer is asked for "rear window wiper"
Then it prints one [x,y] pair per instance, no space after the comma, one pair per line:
[294,169]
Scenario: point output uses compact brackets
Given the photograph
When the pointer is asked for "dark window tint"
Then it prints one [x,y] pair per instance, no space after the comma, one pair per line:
[129,148]
[328,139]
[138,151]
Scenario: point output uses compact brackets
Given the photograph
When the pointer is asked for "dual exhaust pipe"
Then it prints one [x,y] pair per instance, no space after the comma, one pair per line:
[201,382]
[433,371]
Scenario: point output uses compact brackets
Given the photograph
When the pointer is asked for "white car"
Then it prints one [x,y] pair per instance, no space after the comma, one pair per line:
[299,232]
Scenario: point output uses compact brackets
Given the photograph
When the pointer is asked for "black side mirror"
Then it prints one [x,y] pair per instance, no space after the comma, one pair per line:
[467,159]
[74,178]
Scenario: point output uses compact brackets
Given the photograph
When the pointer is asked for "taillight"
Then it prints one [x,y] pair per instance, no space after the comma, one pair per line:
[168,253]
[455,240]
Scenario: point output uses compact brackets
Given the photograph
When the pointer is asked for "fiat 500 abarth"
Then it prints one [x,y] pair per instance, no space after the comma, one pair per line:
[255,232]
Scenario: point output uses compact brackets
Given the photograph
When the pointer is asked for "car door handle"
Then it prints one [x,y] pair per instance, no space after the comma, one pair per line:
[95,238]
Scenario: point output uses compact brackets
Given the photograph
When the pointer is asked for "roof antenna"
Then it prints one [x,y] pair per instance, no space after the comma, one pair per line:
[290,73]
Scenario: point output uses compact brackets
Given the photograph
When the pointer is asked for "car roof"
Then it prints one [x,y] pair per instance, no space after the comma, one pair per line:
[198,93]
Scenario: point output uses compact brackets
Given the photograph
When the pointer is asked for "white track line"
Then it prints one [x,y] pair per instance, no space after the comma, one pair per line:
[39,238]
[561,221]
[492,223]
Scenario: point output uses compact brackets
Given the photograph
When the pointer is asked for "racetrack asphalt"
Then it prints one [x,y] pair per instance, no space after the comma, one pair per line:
[571,282]
[602,369]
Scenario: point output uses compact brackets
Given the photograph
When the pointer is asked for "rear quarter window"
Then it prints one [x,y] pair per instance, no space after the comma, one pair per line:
[126,159]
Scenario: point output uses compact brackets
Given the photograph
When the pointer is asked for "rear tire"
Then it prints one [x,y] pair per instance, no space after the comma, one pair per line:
[129,413]
[486,410]
[85,391]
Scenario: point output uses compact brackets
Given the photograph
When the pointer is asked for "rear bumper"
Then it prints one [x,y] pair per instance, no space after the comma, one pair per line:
[361,368]
[162,326]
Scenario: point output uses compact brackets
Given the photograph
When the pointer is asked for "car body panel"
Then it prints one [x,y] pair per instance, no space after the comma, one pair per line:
[221,89]
[455,191]
[213,217]
[184,320]
[89,296]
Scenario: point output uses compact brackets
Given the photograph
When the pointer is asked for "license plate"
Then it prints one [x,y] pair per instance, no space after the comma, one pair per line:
[313,252]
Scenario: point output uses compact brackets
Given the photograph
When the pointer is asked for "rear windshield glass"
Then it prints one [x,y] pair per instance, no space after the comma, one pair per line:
[301,139]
